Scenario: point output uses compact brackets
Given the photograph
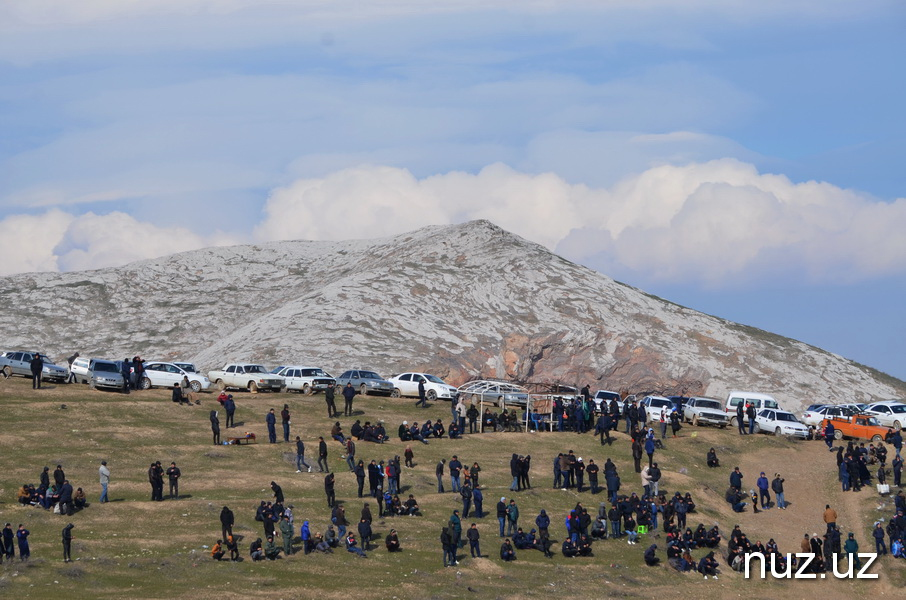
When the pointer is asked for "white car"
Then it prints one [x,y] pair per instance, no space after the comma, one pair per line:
[605,396]
[163,374]
[699,411]
[815,416]
[406,384]
[779,422]
[307,380]
[889,414]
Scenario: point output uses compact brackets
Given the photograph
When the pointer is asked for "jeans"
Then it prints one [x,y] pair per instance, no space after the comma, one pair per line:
[880,547]
[474,550]
[300,462]
[511,527]
[615,529]
[633,536]
[286,432]
[449,556]
[454,483]
[654,488]
[322,463]
[781,502]
[271,433]
[752,426]
[764,498]
[501,520]
[440,484]
[103,497]
[515,486]
[653,520]
[350,462]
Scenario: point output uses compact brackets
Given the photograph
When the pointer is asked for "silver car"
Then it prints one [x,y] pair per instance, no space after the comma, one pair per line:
[366,382]
[105,374]
[490,391]
[19,363]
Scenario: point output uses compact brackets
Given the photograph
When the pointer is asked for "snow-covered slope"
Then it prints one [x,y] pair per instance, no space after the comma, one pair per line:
[461,301]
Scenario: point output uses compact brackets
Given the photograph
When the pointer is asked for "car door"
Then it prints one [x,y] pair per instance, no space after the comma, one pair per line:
[293,379]
[21,363]
[407,386]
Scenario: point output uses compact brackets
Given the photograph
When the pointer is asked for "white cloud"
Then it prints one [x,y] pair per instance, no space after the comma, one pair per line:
[58,241]
[715,222]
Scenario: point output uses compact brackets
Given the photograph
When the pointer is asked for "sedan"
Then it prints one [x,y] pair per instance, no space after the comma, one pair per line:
[780,422]
[816,416]
[307,380]
[889,414]
[366,382]
[19,363]
[406,384]
[161,374]
[492,392]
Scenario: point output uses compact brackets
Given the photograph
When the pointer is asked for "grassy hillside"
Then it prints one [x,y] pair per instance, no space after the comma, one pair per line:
[133,547]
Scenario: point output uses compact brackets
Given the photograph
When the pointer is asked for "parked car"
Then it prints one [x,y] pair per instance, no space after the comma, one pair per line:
[814,416]
[406,384]
[163,374]
[490,391]
[246,376]
[679,403]
[605,396]
[654,405]
[757,399]
[859,426]
[81,368]
[889,413]
[307,380]
[105,374]
[19,363]
[706,411]
[366,382]
[779,422]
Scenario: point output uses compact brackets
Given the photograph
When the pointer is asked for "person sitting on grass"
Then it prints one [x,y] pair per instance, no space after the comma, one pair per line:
[650,558]
[392,541]
[233,546]
[255,550]
[353,546]
[412,507]
[507,553]
[708,566]
[271,551]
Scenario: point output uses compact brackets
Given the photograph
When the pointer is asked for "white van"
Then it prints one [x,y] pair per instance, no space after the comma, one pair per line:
[758,399]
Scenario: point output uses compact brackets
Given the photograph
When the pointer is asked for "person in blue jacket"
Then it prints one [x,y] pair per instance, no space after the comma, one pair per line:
[763,493]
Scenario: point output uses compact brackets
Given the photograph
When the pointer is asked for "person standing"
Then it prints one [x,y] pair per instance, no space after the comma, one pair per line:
[173,475]
[37,365]
[329,395]
[350,454]
[455,468]
[348,394]
[70,360]
[271,420]
[8,549]
[473,536]
[422,398]
[300,456]
[215,427]
[322,455]
[777,486]
[285,420]
[512,518]
[750,413]
[286,532]
[22,538]
[159,481]
[329,483]
[740,418]
[104,475]
[229,405]
[763,494]
[226,522]
[439,472]
[67,543]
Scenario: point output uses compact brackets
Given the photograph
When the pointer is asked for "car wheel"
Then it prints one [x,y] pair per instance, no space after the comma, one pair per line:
[253,387]
[363,389]
[195,385]
[722,426]
[431,395]
[146,383]
[778,432]
[876,438]
[897,425]
[396,393]
[838,435]
[695,420]
[732,421]
[7,372]
[220,385]
[757,429]
[306,389]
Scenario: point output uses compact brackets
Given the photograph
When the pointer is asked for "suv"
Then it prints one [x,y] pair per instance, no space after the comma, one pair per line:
[757,399]
[700,411]
[366,382]
[105,374]
[19,363]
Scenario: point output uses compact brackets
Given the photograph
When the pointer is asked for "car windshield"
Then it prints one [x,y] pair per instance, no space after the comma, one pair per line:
[314,373]
[434,379]
[255,369]
[106,367]
[707,404]
[898,408]
[786,417]
[368,375]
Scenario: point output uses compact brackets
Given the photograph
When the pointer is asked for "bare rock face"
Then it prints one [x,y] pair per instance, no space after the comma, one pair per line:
[461,301]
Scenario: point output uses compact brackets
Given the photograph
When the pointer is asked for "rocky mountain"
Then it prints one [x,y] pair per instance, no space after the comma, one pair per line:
[461,301]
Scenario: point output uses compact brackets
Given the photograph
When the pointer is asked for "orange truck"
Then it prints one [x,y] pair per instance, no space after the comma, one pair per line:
[863,427]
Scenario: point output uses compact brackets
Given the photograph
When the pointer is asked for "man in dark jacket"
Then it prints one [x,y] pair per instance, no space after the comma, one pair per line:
[736,479]
[422,398]
[66,498]
[271,420]
[750,413]
[226,522]
[777,486]
[67,543]
[329,490]
[173,474]
[229,405]
[329,396]
[650,559]
[348,394]
[740,418]
[37,365]
[322,455]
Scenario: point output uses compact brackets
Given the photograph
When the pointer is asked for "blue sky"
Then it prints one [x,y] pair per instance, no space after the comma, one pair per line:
[740,158]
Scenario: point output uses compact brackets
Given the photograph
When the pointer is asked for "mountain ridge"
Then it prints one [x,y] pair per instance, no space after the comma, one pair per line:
[463,301]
